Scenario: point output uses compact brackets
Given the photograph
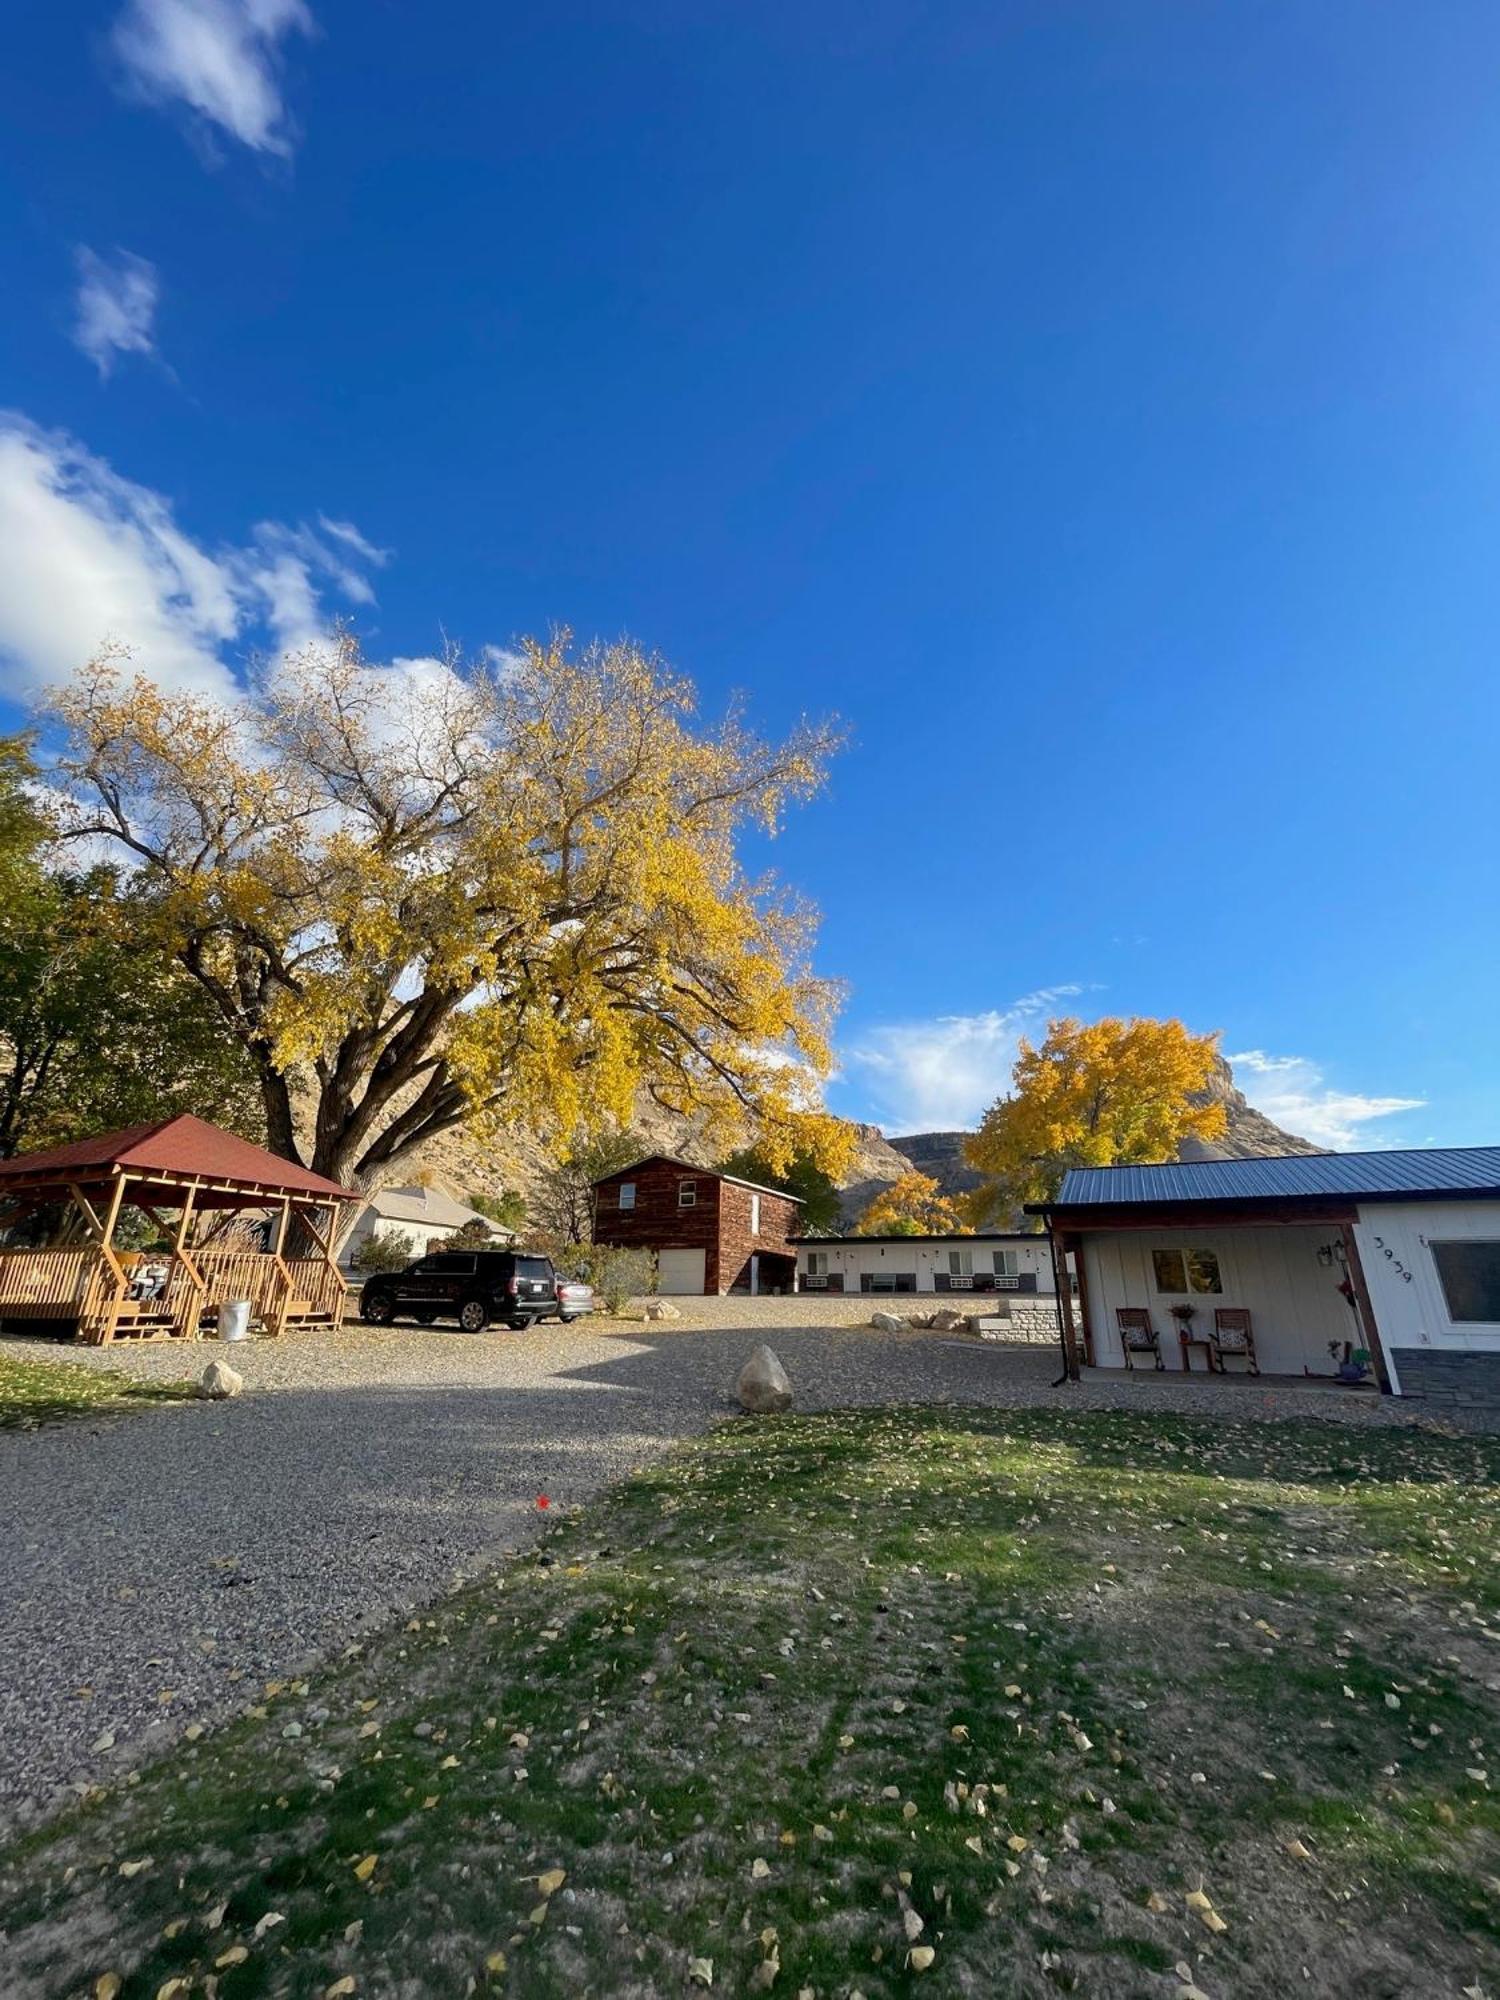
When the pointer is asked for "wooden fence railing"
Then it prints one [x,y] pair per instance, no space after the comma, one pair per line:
[325,1291]
[45,1284]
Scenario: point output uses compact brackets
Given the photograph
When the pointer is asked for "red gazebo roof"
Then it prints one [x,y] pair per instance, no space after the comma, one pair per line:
[170,1154]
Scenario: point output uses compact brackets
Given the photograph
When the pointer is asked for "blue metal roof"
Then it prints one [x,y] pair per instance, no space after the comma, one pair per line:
[1447,1170]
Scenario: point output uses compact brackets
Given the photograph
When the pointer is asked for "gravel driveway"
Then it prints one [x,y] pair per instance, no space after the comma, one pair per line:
[158,1566]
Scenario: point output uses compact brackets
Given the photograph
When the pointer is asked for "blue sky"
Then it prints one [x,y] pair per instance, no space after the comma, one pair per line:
[1094,404]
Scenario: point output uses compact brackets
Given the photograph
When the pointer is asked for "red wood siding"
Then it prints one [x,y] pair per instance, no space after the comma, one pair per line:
[718,1222]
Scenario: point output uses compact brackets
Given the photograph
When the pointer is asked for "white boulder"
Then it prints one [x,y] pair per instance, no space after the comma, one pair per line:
[219,1381]
[887,1322]
[764,1387]
[661,1309]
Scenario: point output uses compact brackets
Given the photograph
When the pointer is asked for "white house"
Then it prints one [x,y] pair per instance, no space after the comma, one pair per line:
[425,1214]
[1394,1255]
[1007,1263]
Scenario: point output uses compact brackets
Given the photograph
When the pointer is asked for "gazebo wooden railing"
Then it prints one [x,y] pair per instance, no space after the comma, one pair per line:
[186,1166]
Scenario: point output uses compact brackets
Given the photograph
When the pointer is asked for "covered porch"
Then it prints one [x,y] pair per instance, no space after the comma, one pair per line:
[1232,1292]
[186,1177]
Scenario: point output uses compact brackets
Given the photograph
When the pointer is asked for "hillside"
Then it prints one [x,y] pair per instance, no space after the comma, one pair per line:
[463,1164]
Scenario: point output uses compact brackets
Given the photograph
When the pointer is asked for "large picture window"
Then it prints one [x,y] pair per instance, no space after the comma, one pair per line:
[1470,1276]
[1186,1271]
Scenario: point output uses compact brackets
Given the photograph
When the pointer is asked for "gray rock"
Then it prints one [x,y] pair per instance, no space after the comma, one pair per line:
[763,1386]
[948,1321]
[886,1322]
[219,1381]
[661,1309]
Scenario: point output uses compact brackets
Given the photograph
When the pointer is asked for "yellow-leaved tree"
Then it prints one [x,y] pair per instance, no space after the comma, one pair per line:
[449,892]
[913,1205]
[1094,1094]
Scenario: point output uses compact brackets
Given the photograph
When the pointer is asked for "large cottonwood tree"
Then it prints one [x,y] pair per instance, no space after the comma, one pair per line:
[1093,1094]
[501,890]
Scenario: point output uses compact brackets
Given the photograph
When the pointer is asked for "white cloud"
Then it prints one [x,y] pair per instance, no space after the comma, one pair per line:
[939,1074]
[1292,1092]
[222,58]
[86,556]
[116,306]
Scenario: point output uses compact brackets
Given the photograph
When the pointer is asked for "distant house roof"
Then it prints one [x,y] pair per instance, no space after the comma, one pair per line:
[429,1206]
[976,1236]
[692,1167]
[1449,1171]
[169,1153]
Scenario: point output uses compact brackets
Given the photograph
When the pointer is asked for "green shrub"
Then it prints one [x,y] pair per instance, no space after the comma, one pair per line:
[617,1276]
[384,1250]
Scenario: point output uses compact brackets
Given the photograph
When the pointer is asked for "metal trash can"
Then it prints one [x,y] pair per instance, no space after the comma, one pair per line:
[234,1320]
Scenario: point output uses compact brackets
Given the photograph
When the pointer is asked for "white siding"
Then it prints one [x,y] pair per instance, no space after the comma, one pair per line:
[1405,1291]
[1294,1301]
[925,1260]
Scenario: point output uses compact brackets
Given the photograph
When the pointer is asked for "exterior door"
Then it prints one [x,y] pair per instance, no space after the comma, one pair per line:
[681,1271]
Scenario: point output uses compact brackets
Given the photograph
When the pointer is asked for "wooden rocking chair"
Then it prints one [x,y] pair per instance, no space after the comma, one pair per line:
[1233,1334]
[1137,1334]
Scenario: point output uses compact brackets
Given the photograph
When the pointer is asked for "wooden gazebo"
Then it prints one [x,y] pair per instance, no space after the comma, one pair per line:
[182,1173]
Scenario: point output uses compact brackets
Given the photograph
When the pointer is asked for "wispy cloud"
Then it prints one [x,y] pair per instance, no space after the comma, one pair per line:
[88,556]
[115,310]
[945,1072]
[222,58]
[1293,1092]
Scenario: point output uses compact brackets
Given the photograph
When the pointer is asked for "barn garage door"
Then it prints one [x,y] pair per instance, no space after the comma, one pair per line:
[680,1271]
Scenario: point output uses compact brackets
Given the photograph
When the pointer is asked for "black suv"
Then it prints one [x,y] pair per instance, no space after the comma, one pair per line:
[472,1286]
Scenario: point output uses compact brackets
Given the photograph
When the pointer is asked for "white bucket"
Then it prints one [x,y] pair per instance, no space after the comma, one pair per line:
[234,1320]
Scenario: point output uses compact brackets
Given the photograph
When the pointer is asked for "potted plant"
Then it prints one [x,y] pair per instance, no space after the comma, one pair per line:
[1351,1364]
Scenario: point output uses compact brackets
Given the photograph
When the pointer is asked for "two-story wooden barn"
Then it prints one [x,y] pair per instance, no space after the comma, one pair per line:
[710,1232]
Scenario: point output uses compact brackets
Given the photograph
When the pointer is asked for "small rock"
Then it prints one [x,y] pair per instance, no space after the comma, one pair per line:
[763,1386]
[948,1321]
[885,1322]
[219,1381]
[661,1309]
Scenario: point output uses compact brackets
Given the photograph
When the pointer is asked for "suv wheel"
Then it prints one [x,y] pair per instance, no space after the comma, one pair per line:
[375,1309]
[473,1315]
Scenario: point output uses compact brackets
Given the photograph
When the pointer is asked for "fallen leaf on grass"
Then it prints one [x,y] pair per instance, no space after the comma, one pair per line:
[701,1971]
[759,1869]
[1297,1851]
[921,1957]
[551,1881]
[340,1988]
[365,1868]
[268,1923]
[496,1962]
[107,1985]
[130,1869]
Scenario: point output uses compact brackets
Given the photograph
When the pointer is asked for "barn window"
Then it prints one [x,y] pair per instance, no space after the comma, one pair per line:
[1186,1271]
[687,1194]
[1470,1277]
[627,1194]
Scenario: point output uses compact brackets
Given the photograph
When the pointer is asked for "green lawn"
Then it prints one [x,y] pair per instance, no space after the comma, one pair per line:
[1072,1703]
[49,1392]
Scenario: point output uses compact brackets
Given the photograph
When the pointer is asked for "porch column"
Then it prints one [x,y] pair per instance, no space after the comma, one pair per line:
[1362,1299]
[1064,1305]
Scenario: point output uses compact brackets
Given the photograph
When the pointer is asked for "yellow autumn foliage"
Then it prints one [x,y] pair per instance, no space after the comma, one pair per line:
[1094,1094]
[913,1205]
[450,892]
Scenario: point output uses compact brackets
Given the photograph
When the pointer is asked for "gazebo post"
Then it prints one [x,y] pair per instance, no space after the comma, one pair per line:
[198,1284]
[110,1308]
[278,1251]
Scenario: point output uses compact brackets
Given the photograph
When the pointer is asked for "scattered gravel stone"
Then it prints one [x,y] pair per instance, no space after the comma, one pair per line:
[163,1564]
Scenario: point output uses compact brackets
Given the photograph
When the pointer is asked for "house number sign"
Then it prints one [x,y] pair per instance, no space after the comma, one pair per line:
[1395,1262]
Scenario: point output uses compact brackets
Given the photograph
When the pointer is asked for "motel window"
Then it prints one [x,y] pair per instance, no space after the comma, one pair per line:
[687,1194]
[960,1263]
[755,1215]
[817,1263]
[1470,1277]
[1186,1271]
[627,1194]
[1007,1263]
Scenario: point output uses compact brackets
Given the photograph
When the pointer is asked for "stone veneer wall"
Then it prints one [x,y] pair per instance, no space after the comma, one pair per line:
[1469,1380]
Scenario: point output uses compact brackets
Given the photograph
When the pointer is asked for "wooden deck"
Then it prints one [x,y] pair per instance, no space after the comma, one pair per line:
[90,1288]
